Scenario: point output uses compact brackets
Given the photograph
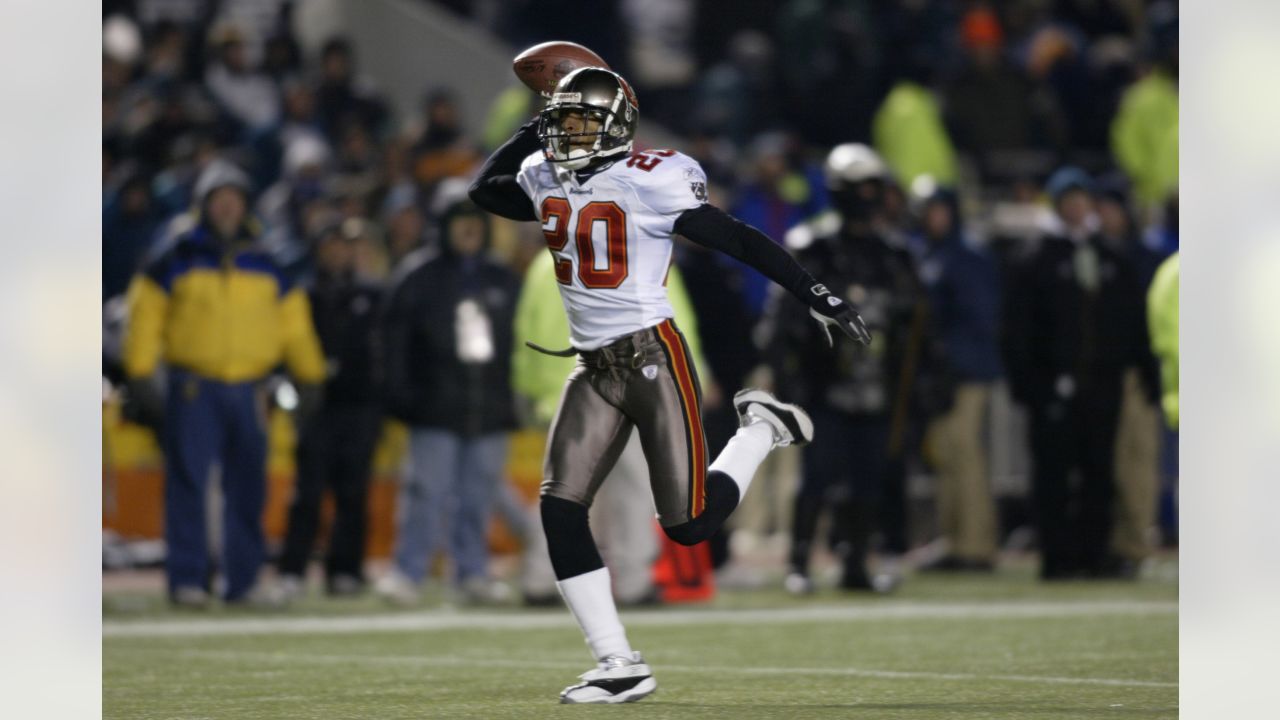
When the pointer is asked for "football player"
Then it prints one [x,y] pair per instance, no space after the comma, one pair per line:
[608,216]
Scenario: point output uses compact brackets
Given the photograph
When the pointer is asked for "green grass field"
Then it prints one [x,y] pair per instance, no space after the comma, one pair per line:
[963,647]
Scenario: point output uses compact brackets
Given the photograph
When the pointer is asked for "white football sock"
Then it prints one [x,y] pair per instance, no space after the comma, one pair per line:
[743,454]
[590,599]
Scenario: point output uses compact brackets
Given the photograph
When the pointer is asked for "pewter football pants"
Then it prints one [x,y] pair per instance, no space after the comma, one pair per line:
[658,396]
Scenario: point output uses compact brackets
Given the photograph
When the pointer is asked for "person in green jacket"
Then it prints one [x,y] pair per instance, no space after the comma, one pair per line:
[908,133]
[1162,317]
[623,512]
[1144,133]
[1144,136]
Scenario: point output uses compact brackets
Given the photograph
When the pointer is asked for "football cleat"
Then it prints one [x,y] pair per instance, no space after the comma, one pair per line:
[791,425]
[617,679]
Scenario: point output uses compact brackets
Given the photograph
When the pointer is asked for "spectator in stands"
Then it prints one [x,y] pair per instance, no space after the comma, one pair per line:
[130,220]
[405,224]
[335,449]
[299,112]
[908,130]
[281,56]
[446,362]
[988,103]
[964,294]
[782,192]
[1119,229]
[856,395]
[218,312]
[1138,438]
[293,202]
[1144,134]
[737,97]
[249,97]
[1162,237]
[358,162]
[443,150]
[121,52]
[371,263]
[1162,314]
[1060,82]
[830,63]
[1074,324]
[343,96]
[167,53]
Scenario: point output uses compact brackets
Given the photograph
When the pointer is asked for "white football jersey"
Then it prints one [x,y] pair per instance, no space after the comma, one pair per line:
[611,237]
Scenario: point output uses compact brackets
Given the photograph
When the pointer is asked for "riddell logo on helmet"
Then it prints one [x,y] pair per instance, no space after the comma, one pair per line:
[567,98]
[819,290]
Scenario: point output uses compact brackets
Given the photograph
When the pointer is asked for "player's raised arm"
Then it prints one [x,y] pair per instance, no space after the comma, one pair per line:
[712,227]
[496,189]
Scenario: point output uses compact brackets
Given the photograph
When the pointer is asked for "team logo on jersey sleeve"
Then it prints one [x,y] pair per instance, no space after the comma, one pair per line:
[699,191]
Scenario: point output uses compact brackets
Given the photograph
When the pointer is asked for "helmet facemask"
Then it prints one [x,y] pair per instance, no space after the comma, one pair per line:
[604,128]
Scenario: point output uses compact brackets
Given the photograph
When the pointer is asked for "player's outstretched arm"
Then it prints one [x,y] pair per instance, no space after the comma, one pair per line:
[712,227]
[496,189]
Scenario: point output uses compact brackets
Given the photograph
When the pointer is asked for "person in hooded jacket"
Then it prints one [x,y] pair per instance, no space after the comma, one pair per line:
[964,296]
[219,313]
[335,450]
[446,368]
[1074,324]
[1138,437]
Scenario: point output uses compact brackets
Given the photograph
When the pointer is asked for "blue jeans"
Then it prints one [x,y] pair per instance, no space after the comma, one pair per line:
[208,422]
[447,493]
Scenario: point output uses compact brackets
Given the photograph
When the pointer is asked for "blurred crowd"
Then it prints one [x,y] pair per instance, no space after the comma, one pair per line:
[994,184]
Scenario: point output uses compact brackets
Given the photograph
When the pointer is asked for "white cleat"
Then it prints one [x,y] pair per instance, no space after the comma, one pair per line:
[396,588]
[791,425]
[617,679]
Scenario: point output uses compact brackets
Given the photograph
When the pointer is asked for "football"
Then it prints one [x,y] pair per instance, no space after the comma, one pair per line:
[541,66]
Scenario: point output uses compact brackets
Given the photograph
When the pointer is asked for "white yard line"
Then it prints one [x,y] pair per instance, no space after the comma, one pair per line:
[240,657]
[440,620]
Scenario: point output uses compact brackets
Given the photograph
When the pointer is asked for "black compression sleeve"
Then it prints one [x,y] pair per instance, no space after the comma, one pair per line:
[496,189]
[712,227]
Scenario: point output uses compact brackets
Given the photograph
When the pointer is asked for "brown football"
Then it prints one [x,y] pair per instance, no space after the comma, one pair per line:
[541,66]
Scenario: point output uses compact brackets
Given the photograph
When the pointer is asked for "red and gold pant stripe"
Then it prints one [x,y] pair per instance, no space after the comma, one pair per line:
[682,371]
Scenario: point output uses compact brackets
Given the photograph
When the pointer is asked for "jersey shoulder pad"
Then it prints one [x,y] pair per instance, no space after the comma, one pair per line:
[666,180]
[535,172]
[534,161]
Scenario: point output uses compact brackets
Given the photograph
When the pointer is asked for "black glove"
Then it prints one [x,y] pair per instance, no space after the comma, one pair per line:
[144,402]
[310,397]
[830,310]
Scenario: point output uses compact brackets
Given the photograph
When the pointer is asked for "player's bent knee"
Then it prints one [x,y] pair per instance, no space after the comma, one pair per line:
[560,490]
[569,543]
[688,533]
[562,515]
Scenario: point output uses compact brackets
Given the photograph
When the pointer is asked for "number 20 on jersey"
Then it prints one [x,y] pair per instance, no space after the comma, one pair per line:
[556,213]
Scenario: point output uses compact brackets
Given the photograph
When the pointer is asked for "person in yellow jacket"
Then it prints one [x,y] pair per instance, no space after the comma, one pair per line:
[219,314]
